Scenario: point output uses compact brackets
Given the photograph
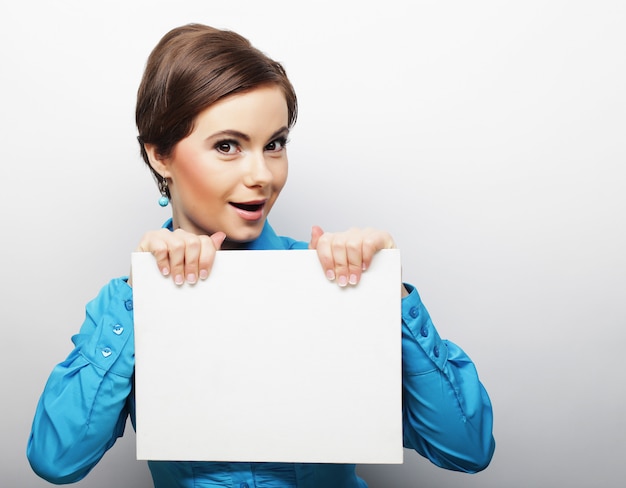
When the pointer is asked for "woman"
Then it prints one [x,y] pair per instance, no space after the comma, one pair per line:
[214,115]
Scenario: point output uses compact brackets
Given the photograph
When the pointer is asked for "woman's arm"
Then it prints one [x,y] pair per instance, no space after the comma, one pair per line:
[447,413]
[84,405]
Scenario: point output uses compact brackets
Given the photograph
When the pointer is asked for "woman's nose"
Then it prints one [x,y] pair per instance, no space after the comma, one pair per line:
[257,173]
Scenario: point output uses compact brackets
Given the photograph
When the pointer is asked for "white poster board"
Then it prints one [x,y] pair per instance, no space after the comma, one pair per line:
[267,360]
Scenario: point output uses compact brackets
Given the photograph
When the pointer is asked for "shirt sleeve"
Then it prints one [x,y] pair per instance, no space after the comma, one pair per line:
[447,414]
[84,406]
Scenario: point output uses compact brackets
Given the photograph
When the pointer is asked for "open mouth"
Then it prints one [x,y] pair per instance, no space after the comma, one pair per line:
[248,207]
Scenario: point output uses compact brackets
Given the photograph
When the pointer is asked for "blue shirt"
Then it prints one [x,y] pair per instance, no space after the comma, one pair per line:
[447,414]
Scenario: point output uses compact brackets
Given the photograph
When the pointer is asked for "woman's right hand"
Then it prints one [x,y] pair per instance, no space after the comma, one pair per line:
[180,254]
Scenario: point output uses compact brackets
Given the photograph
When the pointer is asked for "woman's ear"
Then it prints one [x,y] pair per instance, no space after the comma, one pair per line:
[157,161]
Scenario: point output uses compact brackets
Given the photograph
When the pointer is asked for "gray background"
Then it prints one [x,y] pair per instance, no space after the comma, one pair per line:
[487,137]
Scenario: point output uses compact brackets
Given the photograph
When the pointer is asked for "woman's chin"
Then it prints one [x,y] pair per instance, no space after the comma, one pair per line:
[240,240]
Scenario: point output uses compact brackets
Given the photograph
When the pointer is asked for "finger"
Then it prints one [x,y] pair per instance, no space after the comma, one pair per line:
[154,242]
[218,239]
[340,258]
[325,254]
[370,247]
[373,241]
[354,258]
[193,246]
[208,248]
[177,249]
[316,233]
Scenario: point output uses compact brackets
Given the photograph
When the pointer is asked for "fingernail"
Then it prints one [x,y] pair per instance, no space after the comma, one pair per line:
[191,278]
[353,279]
[204,274]
[178,279]
[342,281]
[165,271]
[330,274]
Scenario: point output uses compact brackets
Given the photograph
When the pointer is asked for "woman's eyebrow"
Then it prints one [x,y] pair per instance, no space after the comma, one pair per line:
[283,131]
[240,135]
[230,133]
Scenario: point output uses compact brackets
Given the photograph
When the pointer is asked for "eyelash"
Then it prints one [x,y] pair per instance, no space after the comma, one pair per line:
[281,141]
[226,142]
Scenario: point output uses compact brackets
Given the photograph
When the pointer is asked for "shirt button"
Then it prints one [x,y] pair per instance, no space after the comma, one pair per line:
[106,352]
[424,331]
[128,304]
[414,312]
[244,485]
[436,351]
[118,329]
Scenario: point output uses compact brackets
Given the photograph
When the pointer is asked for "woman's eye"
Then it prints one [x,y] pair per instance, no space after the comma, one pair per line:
[226,147]
[276,145]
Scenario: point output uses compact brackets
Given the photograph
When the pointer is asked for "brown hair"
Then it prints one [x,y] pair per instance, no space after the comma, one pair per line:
[191,68]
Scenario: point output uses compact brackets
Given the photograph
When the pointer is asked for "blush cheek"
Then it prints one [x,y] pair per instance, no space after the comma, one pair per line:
[280,178]
[278,186]
[192,178]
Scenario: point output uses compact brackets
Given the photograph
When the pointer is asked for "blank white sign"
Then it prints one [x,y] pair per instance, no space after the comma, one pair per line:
[267,360]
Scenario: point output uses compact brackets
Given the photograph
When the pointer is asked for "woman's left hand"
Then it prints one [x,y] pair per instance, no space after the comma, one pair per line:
[345,255]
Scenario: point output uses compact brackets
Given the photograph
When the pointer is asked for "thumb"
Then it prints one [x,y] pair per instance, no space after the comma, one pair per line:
[316,233]
[218,239]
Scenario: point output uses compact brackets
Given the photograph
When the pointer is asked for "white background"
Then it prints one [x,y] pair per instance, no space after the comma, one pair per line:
[487,137]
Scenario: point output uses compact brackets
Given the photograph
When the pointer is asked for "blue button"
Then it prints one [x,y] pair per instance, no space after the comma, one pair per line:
[436,351]
[244,485]
[128,304]
[106,352]
[118,329]
[424,331]
[414,312]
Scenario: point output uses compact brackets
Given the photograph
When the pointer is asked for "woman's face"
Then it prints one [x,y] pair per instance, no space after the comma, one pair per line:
[227,174]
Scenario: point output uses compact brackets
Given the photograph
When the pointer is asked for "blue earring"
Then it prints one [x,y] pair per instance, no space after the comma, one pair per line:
[164,200]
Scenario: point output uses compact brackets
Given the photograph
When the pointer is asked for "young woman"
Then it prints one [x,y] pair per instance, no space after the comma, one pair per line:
[214,115]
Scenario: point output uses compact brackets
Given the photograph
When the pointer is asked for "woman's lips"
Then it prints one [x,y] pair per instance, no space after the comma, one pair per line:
[250,211]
